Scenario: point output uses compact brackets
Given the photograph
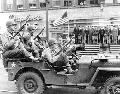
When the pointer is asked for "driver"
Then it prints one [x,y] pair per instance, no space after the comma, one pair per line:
[57,60]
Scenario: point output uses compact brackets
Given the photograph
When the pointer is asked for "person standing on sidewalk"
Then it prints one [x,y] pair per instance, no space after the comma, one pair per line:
[76,33]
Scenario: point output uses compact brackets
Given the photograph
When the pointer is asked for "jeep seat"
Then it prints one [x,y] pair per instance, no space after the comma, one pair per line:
[54,65]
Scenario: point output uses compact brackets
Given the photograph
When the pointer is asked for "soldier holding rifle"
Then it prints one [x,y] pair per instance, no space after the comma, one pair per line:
[55,55]
[13,47]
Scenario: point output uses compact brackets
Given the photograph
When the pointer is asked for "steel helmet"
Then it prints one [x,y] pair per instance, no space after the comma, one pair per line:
[10,23]
[51,42]
[26,37]
[30,28]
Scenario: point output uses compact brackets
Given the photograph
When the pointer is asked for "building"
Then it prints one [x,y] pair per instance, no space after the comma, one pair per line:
[82,12]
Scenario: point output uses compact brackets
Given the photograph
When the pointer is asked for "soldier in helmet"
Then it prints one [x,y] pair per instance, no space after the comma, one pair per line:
[30,43]
[12,47]
[7,40]
[56,60]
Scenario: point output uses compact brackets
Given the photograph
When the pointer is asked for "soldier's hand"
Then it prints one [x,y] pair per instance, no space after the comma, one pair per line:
[33,58]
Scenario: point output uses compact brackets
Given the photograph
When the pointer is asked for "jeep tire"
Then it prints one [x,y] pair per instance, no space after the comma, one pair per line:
[112,86]
[30,83]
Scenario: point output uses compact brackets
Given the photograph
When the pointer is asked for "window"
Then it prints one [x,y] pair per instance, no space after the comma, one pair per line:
[56,3]
[94,2]
[67,2]
[19,4]
[42,3]
[81,2]
[32,4]
[118,1]
[108,1]
[9,4]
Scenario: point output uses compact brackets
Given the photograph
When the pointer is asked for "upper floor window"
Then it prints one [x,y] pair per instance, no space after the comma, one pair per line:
[96,2]
[81,2]
[67,2]
[118,1]
[56,3]
[109,1]
[42,3]
[112,2]
[9,4]
[20,4]
[32,4]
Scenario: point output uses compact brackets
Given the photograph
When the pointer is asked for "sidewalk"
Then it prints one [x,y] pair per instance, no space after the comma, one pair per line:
[5,85]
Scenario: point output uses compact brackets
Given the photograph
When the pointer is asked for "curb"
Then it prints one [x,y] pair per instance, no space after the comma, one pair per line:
[8,91]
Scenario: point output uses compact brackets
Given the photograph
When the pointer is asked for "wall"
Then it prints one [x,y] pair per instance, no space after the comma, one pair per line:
[76,13]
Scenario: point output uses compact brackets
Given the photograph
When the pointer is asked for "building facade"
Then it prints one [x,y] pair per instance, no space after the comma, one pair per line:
[26,5]
[81,12]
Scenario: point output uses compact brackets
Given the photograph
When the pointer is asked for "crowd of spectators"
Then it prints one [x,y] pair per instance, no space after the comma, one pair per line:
[97,34]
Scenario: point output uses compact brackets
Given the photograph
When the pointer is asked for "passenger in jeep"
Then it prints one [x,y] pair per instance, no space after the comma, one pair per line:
[29,42]
[60,59]
[13,47]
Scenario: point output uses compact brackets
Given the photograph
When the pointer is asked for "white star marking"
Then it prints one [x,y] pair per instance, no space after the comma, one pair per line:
[13,64]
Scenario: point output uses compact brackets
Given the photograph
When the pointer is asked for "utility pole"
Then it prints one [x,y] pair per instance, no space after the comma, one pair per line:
[47,32]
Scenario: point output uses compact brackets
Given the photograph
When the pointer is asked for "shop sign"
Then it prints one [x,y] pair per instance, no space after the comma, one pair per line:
[21,19]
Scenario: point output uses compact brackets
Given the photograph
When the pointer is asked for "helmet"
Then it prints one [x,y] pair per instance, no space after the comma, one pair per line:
[30,28]
[26,37]
[51,42]
[10,23]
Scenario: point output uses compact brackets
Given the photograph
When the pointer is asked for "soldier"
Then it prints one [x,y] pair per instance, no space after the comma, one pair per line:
[57,60]
[30,44]
[13,48]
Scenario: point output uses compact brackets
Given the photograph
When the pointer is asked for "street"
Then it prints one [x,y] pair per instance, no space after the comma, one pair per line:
[7,87]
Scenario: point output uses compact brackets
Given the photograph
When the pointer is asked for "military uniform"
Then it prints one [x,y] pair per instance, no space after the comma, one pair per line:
[13,48]
[56,60]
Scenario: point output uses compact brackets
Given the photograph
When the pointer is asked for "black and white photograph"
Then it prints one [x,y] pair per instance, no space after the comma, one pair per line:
[59,46]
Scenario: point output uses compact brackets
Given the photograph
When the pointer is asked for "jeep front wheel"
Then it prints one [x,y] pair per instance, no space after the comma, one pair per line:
[30,83]
[112,86]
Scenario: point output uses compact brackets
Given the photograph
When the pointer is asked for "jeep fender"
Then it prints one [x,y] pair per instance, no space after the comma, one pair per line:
[102,74]
[28,69]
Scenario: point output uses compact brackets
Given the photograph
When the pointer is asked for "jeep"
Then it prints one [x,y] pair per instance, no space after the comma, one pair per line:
[102,73]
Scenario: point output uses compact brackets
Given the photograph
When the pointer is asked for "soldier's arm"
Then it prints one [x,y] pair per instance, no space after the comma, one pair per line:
[28,54]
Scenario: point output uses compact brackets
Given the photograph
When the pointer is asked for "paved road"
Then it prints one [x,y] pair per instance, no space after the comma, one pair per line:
[7,87]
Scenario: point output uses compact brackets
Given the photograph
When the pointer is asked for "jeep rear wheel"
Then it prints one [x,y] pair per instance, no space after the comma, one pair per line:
[30,83]
[112,86]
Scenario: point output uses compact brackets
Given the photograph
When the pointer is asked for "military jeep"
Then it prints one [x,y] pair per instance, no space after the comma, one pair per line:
[102,73]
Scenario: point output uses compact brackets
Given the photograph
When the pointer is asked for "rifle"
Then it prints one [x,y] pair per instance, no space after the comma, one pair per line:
[21,28]
[39,33]
[64,46]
